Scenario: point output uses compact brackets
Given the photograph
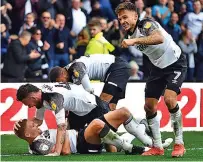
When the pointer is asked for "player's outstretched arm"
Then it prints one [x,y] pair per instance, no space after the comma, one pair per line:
[155,37]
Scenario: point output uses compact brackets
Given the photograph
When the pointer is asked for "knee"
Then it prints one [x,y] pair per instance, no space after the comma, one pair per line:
[150,108]
[124,113]
[97,125]
[170,101]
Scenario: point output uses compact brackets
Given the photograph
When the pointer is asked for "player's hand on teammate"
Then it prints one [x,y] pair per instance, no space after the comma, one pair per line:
[16,125]
[127,42]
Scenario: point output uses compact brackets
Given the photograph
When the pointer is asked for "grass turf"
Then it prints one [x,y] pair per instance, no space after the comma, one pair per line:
[12,149]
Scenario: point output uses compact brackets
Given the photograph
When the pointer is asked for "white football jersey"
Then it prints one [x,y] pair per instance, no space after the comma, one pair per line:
[45,142]
[69,97]
[96,65]
[161,55]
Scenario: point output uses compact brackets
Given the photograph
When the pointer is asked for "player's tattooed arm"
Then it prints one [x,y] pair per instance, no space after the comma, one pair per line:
[60,137]
[155,37]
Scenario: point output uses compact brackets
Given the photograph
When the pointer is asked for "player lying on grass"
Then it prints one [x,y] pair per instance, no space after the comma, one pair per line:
[113,71]
[96,131]
[90,138]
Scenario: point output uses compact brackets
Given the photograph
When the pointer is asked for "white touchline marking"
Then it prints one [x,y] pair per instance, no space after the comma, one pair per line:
[189,149]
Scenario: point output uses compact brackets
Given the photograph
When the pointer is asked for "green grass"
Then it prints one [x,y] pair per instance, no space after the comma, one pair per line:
[11,145]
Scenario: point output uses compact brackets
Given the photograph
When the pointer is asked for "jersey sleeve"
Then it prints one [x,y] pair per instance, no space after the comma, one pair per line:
[40,113]
[56,103]
[41,147]
[147,26]
[77,71]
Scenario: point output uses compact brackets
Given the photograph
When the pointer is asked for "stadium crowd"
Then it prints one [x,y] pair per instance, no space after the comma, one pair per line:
[37,35]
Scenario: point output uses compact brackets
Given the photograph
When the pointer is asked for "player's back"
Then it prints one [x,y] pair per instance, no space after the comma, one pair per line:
[75,97]
[97,65]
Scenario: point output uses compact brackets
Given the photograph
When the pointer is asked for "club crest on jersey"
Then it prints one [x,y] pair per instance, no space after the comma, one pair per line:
[53,105]
[76,73]
[147,25]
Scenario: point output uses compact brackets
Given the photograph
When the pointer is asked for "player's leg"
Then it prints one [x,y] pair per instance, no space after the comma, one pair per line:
[175,80]
[98,131]
[122,116]
[153,91]
[115,82]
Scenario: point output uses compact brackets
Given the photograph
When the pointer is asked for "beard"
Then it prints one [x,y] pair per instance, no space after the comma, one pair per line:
[39,105]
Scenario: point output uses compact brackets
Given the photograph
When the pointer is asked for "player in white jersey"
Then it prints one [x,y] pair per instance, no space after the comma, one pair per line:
[167,72]
[86,140]
[113,71]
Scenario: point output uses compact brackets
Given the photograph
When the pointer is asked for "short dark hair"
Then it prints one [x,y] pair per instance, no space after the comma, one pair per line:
[20,132]
[54,73]
[24,90]
[126,6]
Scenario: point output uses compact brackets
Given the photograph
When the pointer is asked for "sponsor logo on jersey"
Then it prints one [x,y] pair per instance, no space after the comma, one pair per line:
[142,47]
[53,105]
[76,73]
[147,25]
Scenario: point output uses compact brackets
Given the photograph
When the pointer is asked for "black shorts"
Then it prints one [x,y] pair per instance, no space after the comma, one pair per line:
[170,78]
[116,78]
[78,122]
[83,147]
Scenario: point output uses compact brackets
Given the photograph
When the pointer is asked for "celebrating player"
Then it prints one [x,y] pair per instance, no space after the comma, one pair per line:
[167,72]
[85,140]
[60,97]
[114,71]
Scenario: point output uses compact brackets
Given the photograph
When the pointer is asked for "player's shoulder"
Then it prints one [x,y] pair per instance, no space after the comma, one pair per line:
[41,146]
[147,23]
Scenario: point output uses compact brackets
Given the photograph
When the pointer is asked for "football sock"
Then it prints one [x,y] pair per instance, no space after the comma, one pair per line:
[110,137]
[176,122]
[138,130]
[154,125]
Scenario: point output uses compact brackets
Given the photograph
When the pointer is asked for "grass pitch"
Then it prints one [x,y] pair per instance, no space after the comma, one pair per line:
[14,149]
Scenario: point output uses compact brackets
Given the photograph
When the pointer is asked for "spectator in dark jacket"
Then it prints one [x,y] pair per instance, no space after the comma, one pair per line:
[62,42]
[173,28]
[16,59]
[37,68]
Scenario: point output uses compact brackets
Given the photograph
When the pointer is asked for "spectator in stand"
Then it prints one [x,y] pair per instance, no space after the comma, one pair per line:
[48,29]
[194,20]
[51,6]
[16,59]
[63,42]
[171,5]
[161,12]
[173,28]
[29,22]
[135,73]
[140,5]
[199,66]
[97,44]
[37,68]
[20,9]
[182,12]
[81,44]
[149,13]
[111,32]
[72,16]
[99,10]
[189,48]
